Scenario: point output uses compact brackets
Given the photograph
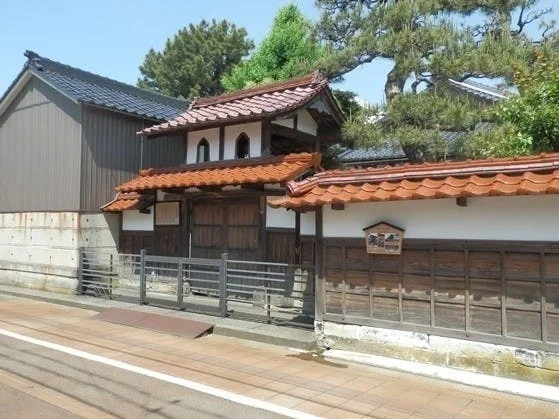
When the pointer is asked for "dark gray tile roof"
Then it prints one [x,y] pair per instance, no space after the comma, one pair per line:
[91,88]
[389,151]
[480,90]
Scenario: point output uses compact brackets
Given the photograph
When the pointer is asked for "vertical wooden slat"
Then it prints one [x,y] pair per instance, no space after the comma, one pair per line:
[432,294]
[400,282]
[467,289]
[263,245]
[298,253]
[344,279]
[503,293]
[371,285]
[543,295]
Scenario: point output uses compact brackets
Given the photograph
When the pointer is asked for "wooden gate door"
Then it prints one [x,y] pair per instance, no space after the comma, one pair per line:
[226,225]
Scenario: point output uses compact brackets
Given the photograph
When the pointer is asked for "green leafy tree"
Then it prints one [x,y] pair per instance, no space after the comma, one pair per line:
[194,60]
[287,51]
[429,42]
[535,113]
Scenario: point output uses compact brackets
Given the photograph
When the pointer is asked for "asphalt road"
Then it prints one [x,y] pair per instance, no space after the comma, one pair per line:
[40,382]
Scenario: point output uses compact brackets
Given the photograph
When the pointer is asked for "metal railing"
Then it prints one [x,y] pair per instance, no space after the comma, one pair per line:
[222,286]
[109,274]
[277,288]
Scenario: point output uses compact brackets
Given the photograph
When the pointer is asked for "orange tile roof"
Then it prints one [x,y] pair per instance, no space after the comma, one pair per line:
[272,169]
[128,201]
[248,105]
[531,175]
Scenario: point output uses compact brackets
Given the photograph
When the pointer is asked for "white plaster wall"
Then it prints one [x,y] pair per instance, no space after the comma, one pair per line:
[194,137]
[306,123]
[280,218]
[487,218]
[254,132]
[287,122]
[308,226]
[136,221]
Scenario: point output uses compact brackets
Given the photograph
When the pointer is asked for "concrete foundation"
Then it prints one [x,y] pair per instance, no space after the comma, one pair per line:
[40,249]
[499,360]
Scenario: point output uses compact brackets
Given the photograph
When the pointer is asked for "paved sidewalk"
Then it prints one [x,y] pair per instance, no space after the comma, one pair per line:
[271,373]
[260,332]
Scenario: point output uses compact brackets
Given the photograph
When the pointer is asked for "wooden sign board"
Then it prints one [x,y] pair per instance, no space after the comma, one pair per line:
[167,213]
[383,238]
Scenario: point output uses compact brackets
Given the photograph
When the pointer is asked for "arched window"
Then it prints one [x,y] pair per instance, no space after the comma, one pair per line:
[203,151]
[242,146]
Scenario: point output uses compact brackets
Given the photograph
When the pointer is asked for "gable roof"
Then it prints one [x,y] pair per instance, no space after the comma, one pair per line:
[260,170]
[480,90]
[530,175]
[85,87]
[251,104]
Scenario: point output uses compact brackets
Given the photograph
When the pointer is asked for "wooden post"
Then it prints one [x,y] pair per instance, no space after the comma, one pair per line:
[344,280]
[320,305]
[467,290]
[266,138]
[503,294]
[371,286]
[221,142]
[400,288]
[543,294]
[432,275]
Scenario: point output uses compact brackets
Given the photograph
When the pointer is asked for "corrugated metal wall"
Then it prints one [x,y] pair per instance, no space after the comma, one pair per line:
[40,152]
[111,154]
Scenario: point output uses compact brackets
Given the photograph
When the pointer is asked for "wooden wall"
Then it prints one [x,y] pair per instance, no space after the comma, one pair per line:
[456,288]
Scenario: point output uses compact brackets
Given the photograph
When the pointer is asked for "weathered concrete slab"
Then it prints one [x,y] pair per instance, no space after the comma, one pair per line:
[187,328]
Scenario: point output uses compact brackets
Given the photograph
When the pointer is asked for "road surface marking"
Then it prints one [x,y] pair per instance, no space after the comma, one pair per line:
[192,385]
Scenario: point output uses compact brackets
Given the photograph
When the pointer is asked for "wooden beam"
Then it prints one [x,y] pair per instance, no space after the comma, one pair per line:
[339,206]
[173,191]
[238,193]
[210,188]
[462,201]
[292,134]
[253,187]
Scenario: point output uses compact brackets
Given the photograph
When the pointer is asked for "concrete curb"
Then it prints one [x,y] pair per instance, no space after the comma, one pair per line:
[55,300]
[506,385]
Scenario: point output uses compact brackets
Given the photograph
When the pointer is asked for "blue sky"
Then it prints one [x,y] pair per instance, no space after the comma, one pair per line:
[111,38]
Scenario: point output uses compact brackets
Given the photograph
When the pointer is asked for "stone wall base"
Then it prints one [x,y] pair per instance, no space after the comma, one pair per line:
[499,360]
[42,281]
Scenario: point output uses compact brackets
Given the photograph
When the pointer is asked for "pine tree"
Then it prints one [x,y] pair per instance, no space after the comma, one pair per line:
[192,63]
[429,42]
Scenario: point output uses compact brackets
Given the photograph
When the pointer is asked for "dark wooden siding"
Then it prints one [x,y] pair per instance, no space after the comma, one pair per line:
[111,154]
[40,151]
[465,289]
